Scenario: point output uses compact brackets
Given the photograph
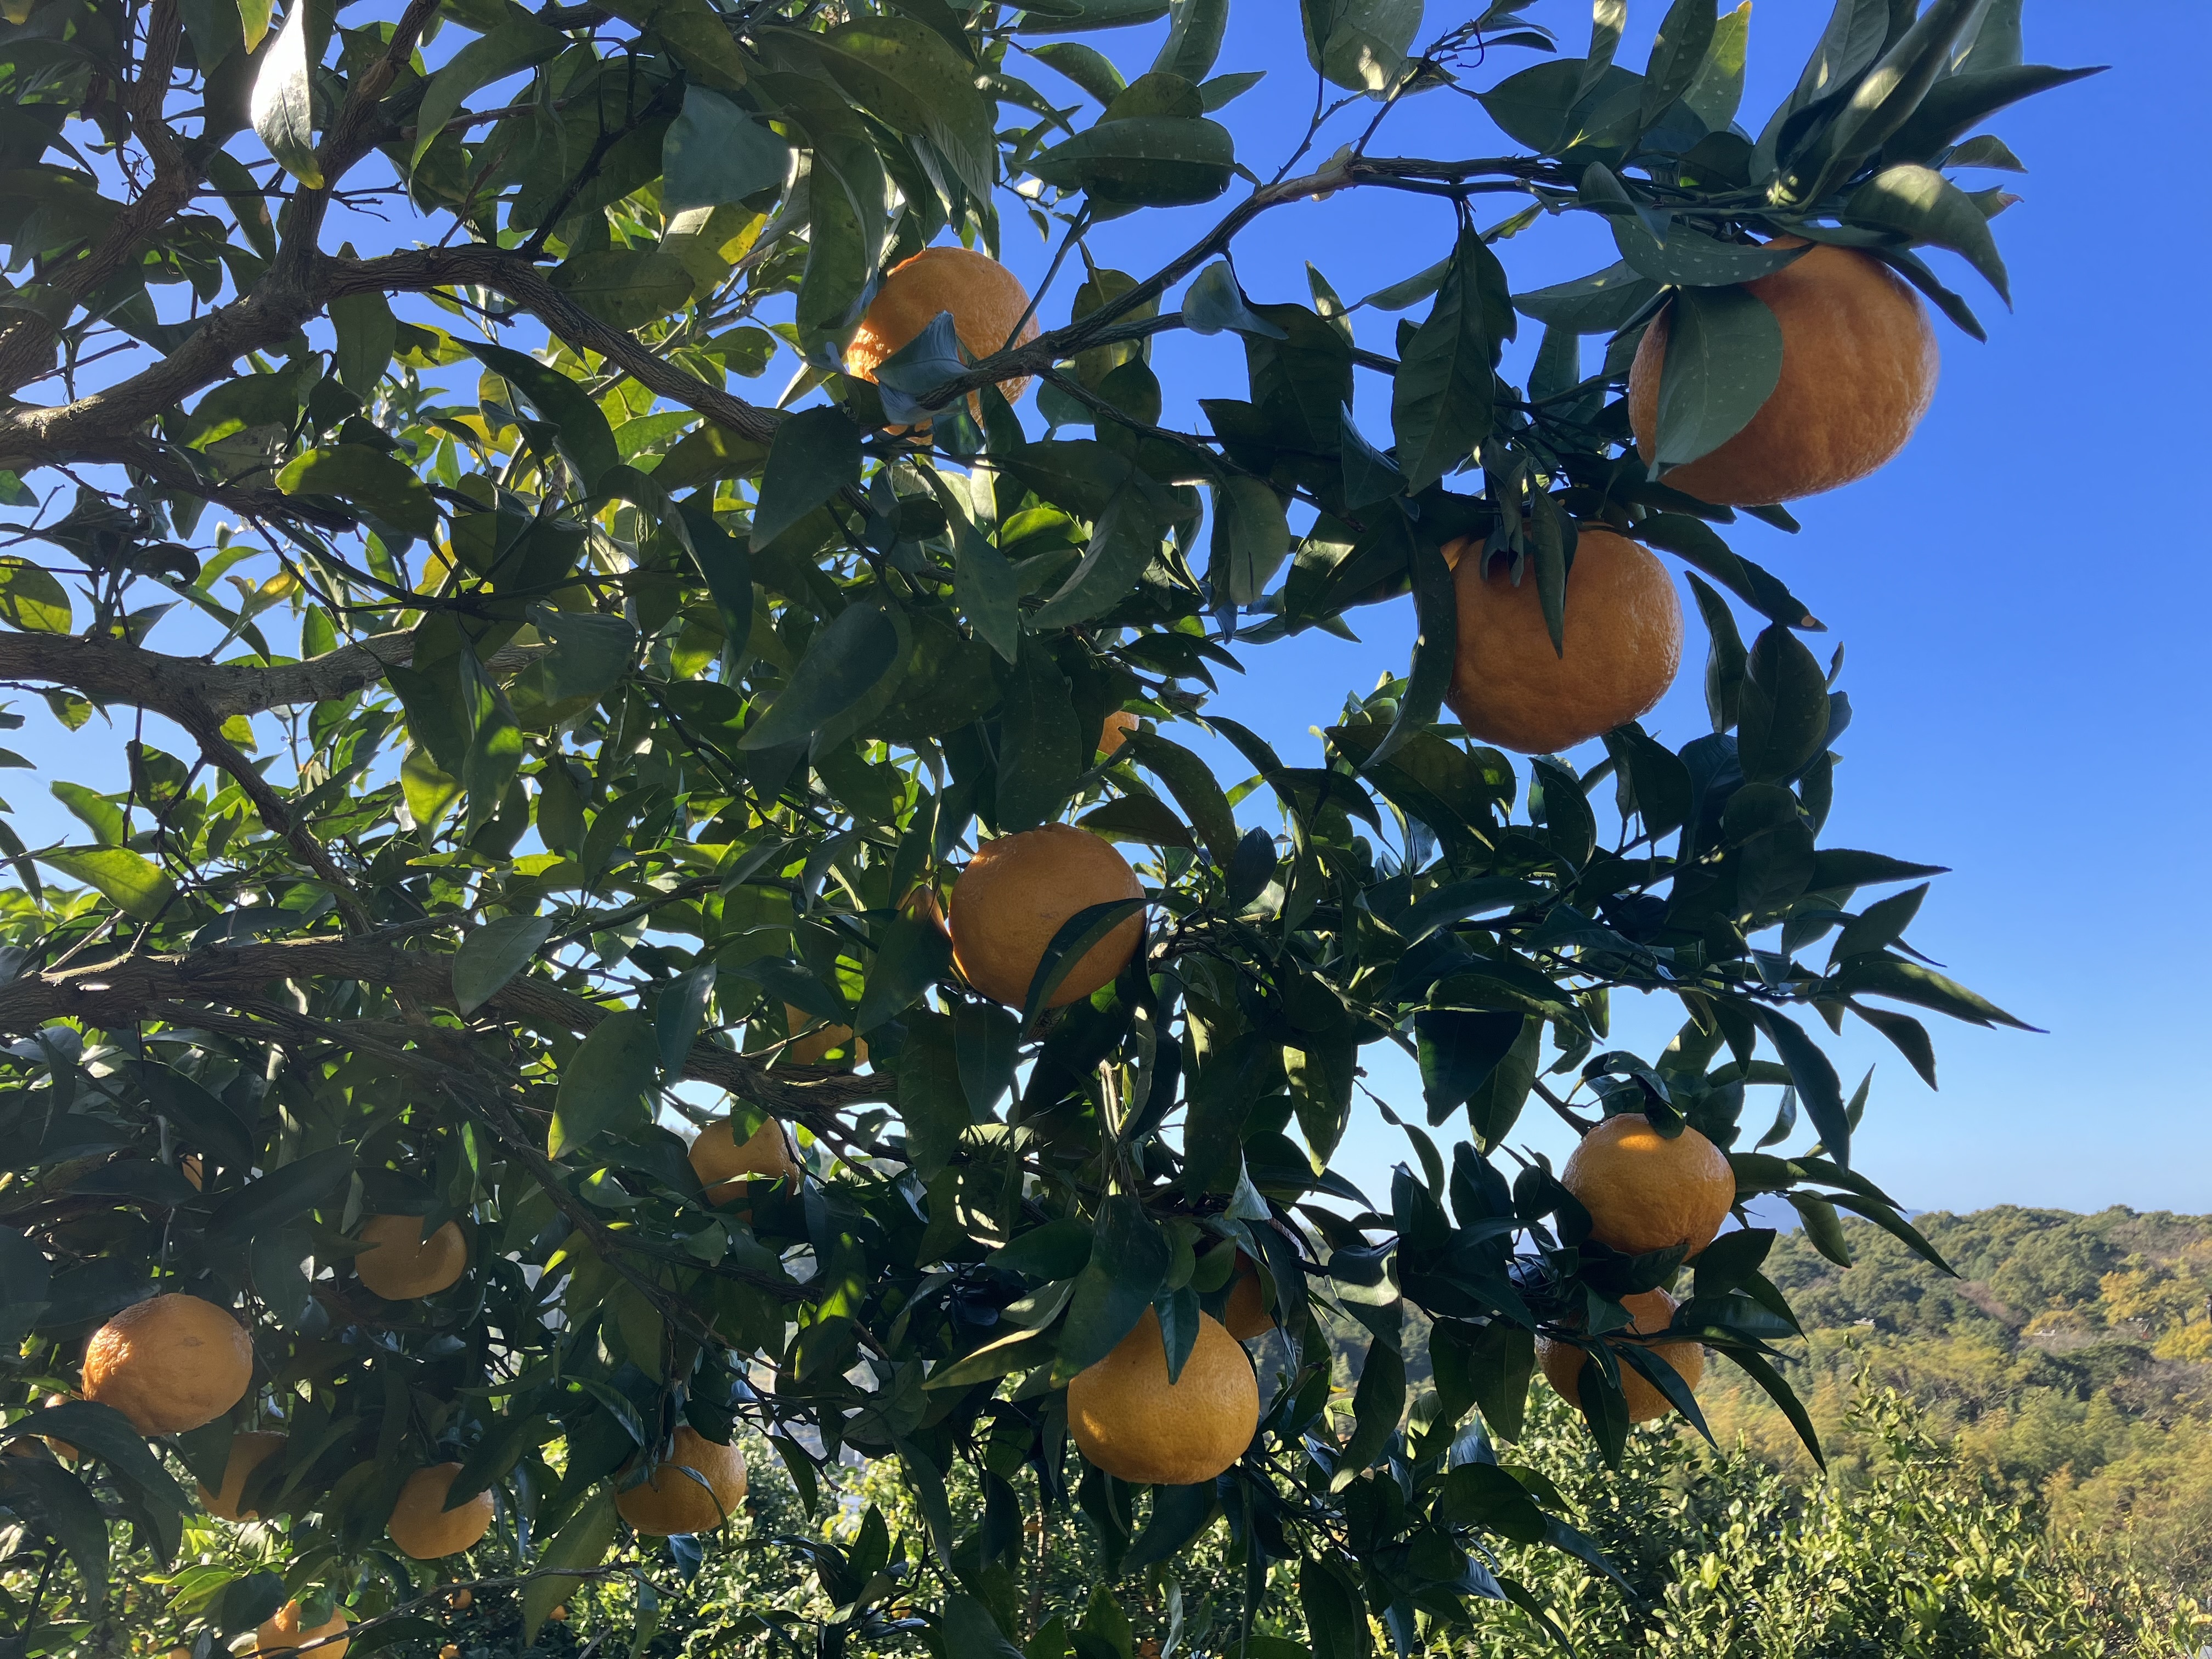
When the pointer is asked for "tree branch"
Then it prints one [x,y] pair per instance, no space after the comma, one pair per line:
[125,989]
[187,690]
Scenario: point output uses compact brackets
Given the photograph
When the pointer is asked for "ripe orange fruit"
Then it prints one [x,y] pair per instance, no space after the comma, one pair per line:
[559,1615]
[669,1501]
[984,297]
[1624,642]
[1115,732]
[451,1650]
[401,1264]
[811,1050]
[1013,897]
[248,1451]
[461,1600]
[421,1524]
[1858,371]
[1247,1316]
[724,1165]
[1652,1311]
[189,1167]
[282,1632]
[1133,1423]
[169,1364]
[1644,1192]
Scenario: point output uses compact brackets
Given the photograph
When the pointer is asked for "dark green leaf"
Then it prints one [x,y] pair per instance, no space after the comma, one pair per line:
[606,1081]
[852,664]
[493,954]
[1724,359]
[814,453]
[716,153]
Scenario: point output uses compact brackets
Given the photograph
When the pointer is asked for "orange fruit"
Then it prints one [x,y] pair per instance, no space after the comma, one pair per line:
[461,1600]
[985,298]
[189,1167]
[1624,642]
[169,1364]
[1115,732]
[451,1650]
[281,1630]
[724,1165]
[1858,371]
[1247,1316]
[812,1049]
[1644,1192]
[1013,897]
[248,1451]
[1652,1311]
[1131,1422]
[421,1524]
[401,1264]
[669,1501]
[559,1615]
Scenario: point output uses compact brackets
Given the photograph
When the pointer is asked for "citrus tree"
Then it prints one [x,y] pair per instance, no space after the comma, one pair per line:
[617,910]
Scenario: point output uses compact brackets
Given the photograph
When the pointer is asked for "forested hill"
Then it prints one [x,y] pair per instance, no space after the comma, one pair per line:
[2072,1355]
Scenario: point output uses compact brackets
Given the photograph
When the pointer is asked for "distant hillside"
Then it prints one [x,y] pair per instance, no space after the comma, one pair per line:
[2072,1358]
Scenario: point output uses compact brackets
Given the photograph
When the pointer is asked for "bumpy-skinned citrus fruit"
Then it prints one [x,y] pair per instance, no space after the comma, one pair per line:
[249,1450]
[724,1165]
[1652,1311]
[1645,1192]
[421,1524]
[1131,1422]
[1623,645]
[985,298]
[1246,1315]
[813,1048]
[1013,897]
[669,1501]
[402,1264]
[169,1364]
[1115,732]
[282,1629]
[1858,371]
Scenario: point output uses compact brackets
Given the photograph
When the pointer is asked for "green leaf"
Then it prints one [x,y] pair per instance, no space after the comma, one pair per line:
[282,1196]
[1783,722]
[1597,304]
[1146,160]
[715,152]
[624,287]
[1360,45]
[1436,650]
[1128,1264]
[907,74]
[697,31]
[367,332]
[1923,206]
[1072,941]
[814,454]
[493,954]
[30,599]
[380,485]
[584,435]
[1091,70]
[132,883]
[1724,359]
[106,1434]
[1123,542]
[1882,101]
[283,100]
[1908,981]
[1251,537]
[1441,403]
[1717,88]
[517,43]
[1819,1089]
[965,1627]
[1214,301]
[200,1119]
[1678,53]
[912,954]
[580,1545]
[1488,1366]
[606,1081]
[858,657]
[1955,104]
[1335,1614]
[1193,42]
[1071,17]
[1191,782]
[54,1501]
[1696,543]
[1043,748]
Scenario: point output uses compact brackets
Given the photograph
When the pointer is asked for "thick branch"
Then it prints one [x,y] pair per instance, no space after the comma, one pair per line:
[187,690]
[126,989]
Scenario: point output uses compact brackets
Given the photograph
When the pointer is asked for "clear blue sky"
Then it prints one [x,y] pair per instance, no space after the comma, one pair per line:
[2022,594]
